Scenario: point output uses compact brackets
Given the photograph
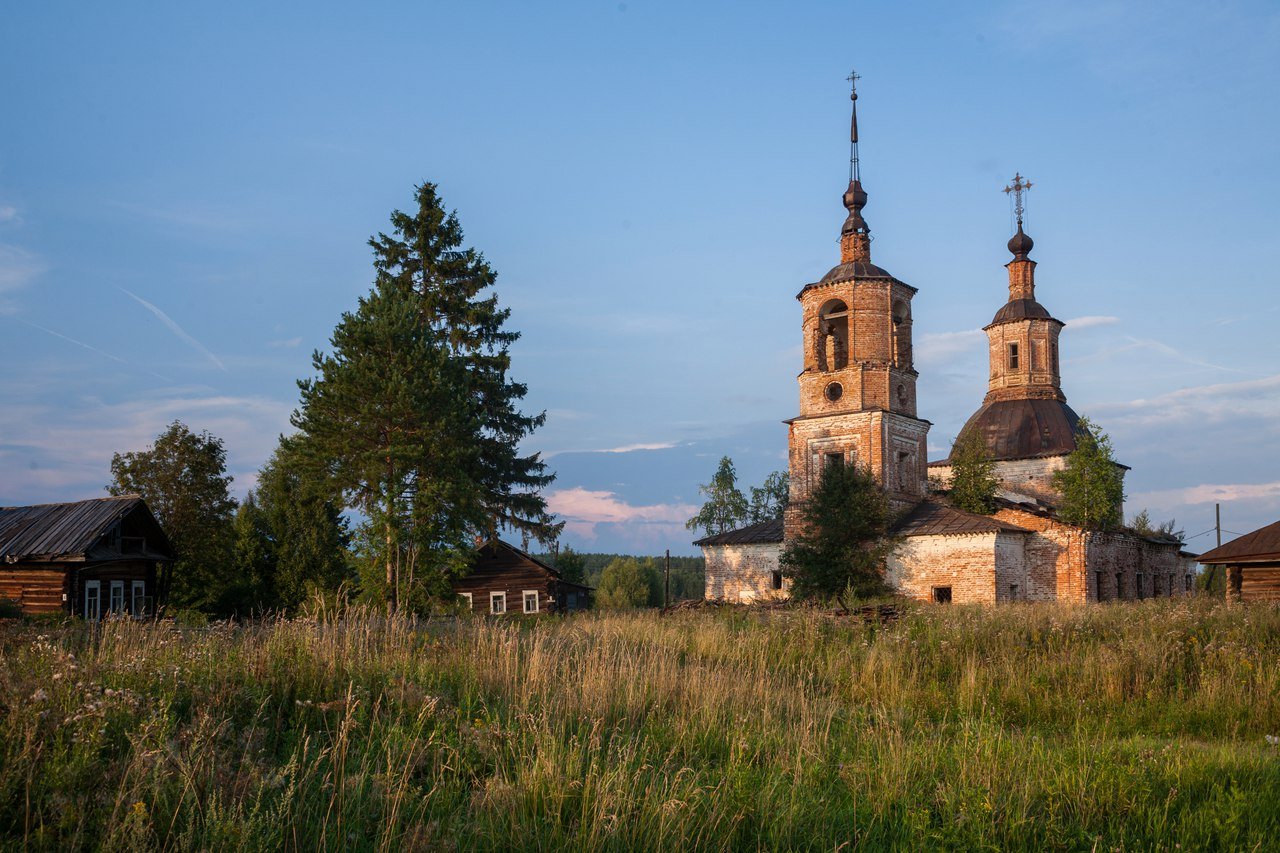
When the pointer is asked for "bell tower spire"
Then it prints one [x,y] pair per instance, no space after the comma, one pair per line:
[855,234]
[1022,270]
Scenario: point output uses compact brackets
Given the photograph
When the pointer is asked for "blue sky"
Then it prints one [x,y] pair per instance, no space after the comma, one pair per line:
[185,195]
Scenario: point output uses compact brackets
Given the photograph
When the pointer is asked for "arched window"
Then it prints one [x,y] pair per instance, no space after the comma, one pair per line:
[901,334]
[833,336]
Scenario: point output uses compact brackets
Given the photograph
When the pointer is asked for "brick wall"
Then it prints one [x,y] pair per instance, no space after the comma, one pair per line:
[743,572]
[966,563]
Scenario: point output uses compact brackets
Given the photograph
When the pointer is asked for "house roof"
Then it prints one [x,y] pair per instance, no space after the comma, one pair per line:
[933,518]
[1262,545]
[497,543]
[66,529]
[763,533]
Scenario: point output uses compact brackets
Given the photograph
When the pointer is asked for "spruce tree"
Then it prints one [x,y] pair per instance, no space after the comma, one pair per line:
[412,417]
[1091,484]
[973,475]
[844,538]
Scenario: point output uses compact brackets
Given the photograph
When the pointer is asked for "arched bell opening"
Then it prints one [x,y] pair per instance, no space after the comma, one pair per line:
[832,344]
[901,334]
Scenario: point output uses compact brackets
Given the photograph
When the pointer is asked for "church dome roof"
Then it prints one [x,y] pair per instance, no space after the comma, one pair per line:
[1021,309]
[1022,429]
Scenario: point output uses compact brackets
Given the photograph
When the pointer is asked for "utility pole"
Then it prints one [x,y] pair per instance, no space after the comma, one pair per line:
[1217,522]
[666,593]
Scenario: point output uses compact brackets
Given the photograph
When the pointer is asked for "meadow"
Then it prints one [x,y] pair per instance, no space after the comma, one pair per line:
[1143,726]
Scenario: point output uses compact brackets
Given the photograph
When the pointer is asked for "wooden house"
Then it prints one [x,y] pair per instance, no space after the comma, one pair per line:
[505,579]
[88,558]
[1252,563]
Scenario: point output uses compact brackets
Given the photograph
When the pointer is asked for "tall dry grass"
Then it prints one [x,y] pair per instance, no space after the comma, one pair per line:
[1141,726]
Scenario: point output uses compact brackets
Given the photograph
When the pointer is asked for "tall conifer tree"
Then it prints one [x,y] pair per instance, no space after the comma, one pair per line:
[413,417]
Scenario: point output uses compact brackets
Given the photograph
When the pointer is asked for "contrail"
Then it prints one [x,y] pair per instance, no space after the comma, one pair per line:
[70,340]
[176,329]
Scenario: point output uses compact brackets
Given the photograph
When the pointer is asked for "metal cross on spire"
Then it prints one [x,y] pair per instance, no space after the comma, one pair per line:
[1019,186]
[854,173]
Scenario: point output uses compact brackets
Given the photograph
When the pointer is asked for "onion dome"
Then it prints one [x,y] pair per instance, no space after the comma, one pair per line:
[855,198]
[1020,244]
[1026,428]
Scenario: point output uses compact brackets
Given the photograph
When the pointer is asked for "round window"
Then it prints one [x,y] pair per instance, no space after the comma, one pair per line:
[834,391]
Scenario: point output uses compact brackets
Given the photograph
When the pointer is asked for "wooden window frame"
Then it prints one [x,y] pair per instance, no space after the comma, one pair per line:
[524,601]
[137,599]
[96,587]
[111,600]
[1013,355]
[494,598]
[471,604]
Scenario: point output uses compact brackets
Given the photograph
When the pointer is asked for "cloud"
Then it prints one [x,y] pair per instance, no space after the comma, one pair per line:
[62,450]
[1206,403]
[626,448]
[72,340]
[289,343]
[940,346]
[1091,322]
[8,213]
[176,329]
[1208,493]
[583,510]
[17,268]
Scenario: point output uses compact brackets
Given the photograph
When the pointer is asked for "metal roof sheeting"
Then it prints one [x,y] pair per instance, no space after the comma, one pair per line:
[753,534]
[1262,545]
[930,518]
[58,530]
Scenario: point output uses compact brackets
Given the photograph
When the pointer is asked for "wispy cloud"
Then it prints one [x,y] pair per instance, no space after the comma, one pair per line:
[583,510]
[176,329]
[626,448]
[1208,493]
[72,340]
[8,213]
[940,346]
[1206,403]
[1091,322]
[17,267]
[288,343]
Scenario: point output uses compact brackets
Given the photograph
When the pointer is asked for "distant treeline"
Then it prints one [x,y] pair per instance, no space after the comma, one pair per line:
[688,574]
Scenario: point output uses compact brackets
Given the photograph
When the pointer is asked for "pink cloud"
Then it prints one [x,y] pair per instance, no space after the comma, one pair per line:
[583,509]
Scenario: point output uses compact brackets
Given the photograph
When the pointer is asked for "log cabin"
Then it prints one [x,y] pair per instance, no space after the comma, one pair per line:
[503,579]
[88,558]
[1252,563]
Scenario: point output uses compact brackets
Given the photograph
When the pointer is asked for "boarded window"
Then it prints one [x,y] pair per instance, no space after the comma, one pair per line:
[942,595]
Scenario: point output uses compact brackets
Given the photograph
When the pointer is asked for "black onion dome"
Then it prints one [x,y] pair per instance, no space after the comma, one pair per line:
[1020,244]
[1022,429]
[855,198]
[1021,309]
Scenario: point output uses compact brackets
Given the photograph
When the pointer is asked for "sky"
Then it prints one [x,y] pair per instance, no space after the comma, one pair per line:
[186,193]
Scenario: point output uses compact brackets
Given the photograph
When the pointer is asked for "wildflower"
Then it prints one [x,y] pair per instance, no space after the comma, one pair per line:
[1272,739]
[39,696]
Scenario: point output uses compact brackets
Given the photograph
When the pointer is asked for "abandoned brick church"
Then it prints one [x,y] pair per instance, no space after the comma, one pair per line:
[858,406]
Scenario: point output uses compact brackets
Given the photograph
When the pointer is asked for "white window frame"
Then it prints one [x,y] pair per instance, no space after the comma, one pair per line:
[524,600]
[116,586]
[466,596]
[138,598]
[494,598]
[94,614]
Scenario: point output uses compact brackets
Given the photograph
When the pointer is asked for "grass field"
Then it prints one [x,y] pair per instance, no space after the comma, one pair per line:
[1133,727]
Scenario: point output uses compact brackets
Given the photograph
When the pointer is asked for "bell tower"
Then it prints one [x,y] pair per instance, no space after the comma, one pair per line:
[858,382]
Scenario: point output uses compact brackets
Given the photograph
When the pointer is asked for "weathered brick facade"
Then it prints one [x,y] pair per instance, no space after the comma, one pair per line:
[744,573]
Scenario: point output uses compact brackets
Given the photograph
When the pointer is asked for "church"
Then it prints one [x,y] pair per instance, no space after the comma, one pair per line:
[858,406]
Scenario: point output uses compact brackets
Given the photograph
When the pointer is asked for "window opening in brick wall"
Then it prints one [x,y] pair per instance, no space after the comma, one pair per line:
[1155,586]
[1189,582]
[942,595]
[775,578]
[1097,586]
[833,336]
[834,391]
[1137,585]
[1013,356]
[901,335]
[1119,586]
[1013,591]
[829,459]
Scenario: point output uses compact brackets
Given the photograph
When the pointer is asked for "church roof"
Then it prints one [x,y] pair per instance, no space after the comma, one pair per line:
[933,518]
[1024,429]
[854,270]
[1021,309]
[1262,545]
[763,533]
